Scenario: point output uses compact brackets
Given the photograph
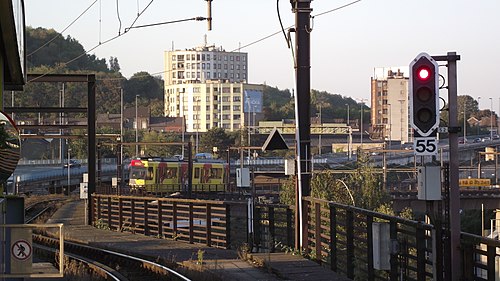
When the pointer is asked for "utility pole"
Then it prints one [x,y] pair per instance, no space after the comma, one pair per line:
[454,192]
[302,10]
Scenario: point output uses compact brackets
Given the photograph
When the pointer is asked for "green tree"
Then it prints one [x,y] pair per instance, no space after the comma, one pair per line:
[216,137]
[161,150]
[143,85]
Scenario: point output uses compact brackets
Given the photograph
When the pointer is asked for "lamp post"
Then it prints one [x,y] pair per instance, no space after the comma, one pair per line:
[491,118]
[390,125]
[136,128]
[69,168]
[349,137]
[320,126]
[121,141]
[197,125]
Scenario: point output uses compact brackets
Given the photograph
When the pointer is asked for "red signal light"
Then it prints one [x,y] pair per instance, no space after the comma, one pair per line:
[424,73]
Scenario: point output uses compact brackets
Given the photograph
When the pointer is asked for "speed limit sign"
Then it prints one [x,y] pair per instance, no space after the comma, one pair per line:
[425,146]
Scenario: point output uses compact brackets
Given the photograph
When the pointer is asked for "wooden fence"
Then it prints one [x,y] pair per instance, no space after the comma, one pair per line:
[193,221]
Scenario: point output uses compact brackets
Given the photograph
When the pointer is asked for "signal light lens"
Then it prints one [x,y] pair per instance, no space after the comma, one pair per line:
[424,73]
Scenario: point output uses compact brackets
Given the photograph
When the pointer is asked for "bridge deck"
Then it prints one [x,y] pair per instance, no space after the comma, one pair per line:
[282,266]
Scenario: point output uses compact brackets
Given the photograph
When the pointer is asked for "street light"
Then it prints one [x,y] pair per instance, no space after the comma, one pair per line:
[69,167]
[349,136]
[491,118]
[136,128]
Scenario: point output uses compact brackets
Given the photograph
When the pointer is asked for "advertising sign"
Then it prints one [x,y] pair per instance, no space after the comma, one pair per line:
[252,101]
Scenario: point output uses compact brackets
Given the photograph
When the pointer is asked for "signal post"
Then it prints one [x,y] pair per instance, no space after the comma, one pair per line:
[424,119]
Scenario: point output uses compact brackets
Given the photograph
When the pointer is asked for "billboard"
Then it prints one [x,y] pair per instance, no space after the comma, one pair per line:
[252,101]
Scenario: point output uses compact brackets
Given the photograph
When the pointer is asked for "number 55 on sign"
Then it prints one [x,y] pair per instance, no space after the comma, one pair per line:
[425,146]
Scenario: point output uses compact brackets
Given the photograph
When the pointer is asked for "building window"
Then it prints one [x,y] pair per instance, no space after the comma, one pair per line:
[173,57]
[226,116]
[207,117]
[244,67]
[226,126]
[219,66]
[244,76]
[236,117]
[188,74]
[180,57]
[225,66]
[208,56]
[225,75]
[196,89]
[225,99]
[237,58]
[236,108]
[237,67]
[236,90]
[226,90]
[207,74]
[188,57]
[225,57]
[232,66]
[202,66]
[188,65]
[198,75]
[203,57]
[208,66]
[219,74]
[237,98]
[193,56]
[232,75]
[197,56]
[226,107]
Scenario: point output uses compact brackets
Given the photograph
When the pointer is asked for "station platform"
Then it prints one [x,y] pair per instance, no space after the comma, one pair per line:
[224,264]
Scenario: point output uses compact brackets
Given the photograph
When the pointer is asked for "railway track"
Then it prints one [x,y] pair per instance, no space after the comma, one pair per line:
[103,263]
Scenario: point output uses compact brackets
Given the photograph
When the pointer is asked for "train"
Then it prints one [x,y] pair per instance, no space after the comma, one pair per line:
[161,175]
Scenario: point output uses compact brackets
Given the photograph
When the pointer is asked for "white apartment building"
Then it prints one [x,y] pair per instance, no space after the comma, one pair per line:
[389,105]
[207,86]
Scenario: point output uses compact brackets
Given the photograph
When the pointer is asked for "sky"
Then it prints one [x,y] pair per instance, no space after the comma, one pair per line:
[346,44]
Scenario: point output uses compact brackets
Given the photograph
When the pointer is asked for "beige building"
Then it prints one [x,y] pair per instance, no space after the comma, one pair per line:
[208,87]
[389,105]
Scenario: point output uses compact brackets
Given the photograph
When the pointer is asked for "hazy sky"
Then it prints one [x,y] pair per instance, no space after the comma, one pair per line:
[346,44]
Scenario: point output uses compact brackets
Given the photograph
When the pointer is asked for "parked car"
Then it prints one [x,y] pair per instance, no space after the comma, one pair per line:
[496,137]
[486,139]
[476,140]
[73,164]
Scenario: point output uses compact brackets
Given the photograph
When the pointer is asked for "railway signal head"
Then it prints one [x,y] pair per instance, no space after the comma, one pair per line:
[424,95]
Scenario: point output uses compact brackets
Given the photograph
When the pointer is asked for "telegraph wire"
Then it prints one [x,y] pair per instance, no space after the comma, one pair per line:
[54,38]
[239,47]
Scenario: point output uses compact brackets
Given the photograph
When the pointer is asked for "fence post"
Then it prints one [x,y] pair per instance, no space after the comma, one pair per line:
[120,213]
[146,217]
[394,256]
[272,230]
[369,238]
[109,212]
[333,237]
[228,226]
[98,205]
[191,226]
[491,262]
[132,215]
[174,219]
[289,227]
[257,228]
[305,226]
[468,258]
[209,224]
[317,232]
[420,239]
[160,218]
[350,243]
